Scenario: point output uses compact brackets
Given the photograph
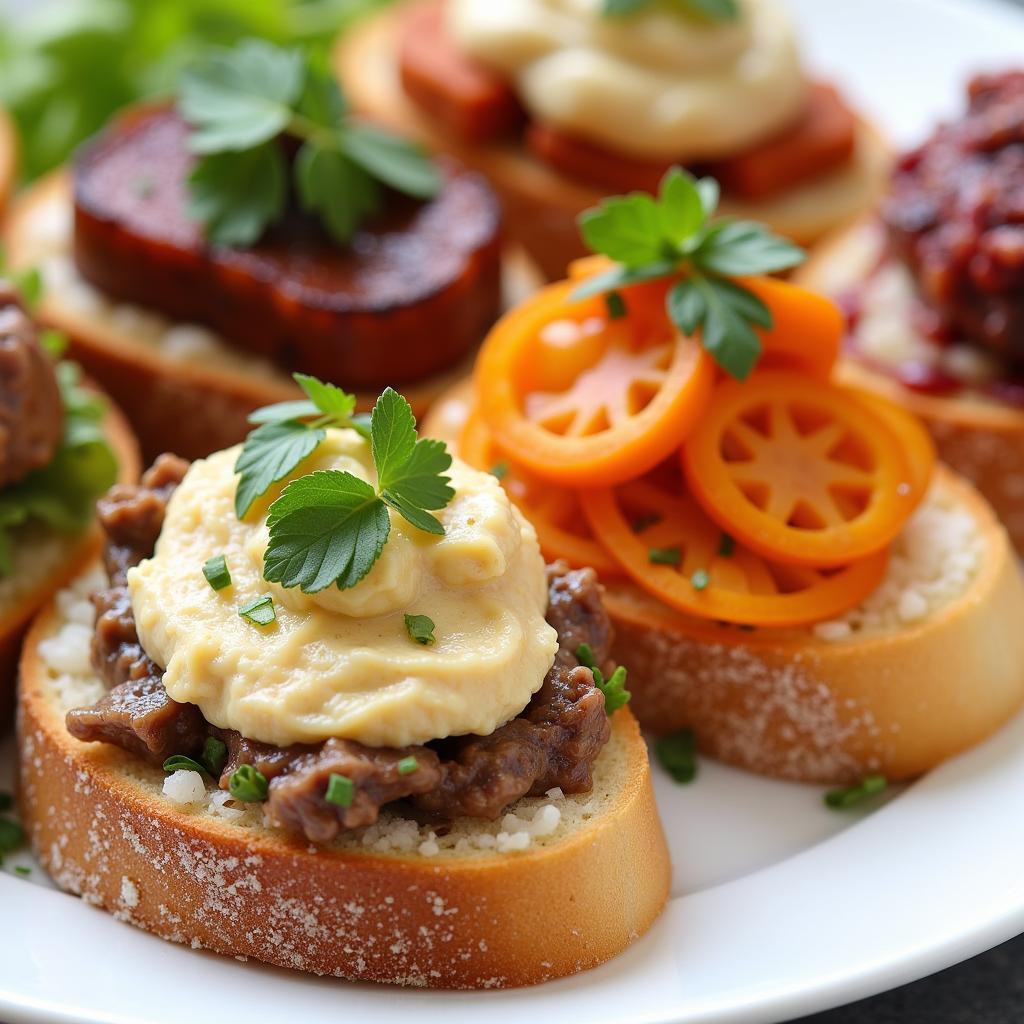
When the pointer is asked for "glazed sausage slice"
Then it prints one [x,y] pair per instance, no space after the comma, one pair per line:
[472,102]
[821,141]
[413,292]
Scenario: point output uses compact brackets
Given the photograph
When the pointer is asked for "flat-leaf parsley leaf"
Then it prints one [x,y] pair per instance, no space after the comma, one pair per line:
[674,235]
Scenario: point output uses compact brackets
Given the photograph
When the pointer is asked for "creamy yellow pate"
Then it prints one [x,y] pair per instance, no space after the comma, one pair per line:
[654,85]
[341,663]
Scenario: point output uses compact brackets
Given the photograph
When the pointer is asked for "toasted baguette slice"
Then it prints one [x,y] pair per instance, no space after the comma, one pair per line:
[44,561]
[983,440]
[888,689]
[390,903]
[188,391]
[541,205]
[8,158]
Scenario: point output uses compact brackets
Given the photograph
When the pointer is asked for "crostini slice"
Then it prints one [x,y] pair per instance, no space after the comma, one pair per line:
[558,885]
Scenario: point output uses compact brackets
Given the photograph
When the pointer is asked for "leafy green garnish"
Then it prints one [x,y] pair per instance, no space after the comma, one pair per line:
[287,433]
[248,784]
[12,835]
[674,235]
[215,570]
[614,687]
[62,495]
[238,101]
[215,753]
[330,527]
[701,579]
[341,790]
[852,796]
[677,754]
[705,10]
[408,765]
[420,628]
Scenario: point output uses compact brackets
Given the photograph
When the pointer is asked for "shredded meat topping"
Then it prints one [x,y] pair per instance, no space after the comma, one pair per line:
[552,743]
[31,413]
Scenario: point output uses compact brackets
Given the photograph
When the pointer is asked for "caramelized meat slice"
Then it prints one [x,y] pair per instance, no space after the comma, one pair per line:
[553,743]
[31,413]
[413,292]
[955,215]
[471,101]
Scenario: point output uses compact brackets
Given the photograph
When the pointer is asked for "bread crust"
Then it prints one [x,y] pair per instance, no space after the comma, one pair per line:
[983,441]
[541,205]
[789,704]
[174,405]
[9,154]
[14,621]
[493,920]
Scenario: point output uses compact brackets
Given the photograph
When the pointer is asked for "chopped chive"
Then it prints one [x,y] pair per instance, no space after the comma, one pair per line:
[641,523]
[726,546]
[12,835]
[842,799]
[54,342]
[420,628]
[665,556]
[340,791]
[700,579]
[248,785]
[499,469]
[215,570]
[20,869]
[215,753]
[616,305]
[677,754]
[259,611]
[408,765]
[181,763]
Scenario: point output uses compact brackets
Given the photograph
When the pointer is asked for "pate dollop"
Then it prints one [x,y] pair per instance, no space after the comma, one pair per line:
[340,663]
[654,85]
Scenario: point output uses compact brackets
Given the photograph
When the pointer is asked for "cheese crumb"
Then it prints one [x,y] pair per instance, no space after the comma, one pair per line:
[184,787]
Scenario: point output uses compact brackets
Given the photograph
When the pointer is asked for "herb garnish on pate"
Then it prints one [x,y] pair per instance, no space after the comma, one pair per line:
[653,237]
[238,103]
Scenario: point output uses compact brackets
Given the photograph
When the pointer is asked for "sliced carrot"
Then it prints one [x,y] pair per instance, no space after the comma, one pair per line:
[807,329]
[677,554]
[582,399]
[555,512]
[799,471]
[468,99]
[823,140]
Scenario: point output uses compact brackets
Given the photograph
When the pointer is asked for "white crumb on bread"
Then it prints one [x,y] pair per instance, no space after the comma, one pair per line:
[532,821]
[47,246]
[933,562]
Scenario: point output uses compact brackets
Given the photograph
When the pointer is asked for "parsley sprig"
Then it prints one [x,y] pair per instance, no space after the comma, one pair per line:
[289,431]
[237,103]
[613,688]
[705,10]
[330,527]
[650,238]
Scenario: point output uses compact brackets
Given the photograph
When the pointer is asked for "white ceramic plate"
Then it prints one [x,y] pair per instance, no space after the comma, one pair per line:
[779,907]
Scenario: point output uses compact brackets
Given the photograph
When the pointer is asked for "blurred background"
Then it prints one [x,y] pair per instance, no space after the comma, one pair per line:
[66,65]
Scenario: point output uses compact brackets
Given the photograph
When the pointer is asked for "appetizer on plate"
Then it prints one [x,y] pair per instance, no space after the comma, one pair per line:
[200,252]
[61,447]
[561,103]
[340,717]
[934,288]
[788,573]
